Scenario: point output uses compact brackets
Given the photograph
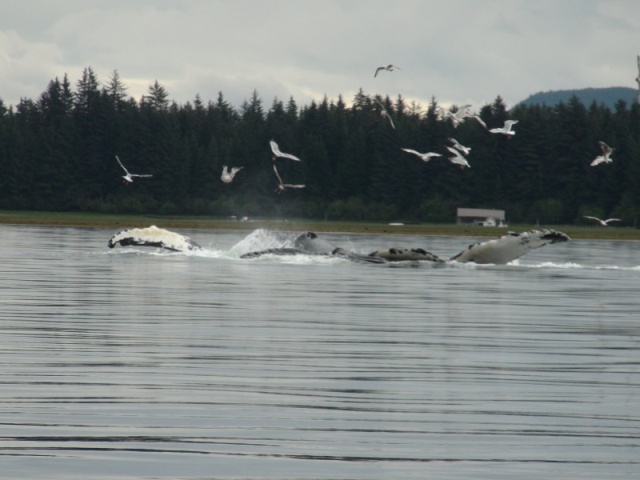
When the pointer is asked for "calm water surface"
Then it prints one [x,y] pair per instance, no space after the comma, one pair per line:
[140,364]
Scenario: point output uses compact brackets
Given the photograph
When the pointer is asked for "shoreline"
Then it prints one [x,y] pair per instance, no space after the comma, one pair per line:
[120,222]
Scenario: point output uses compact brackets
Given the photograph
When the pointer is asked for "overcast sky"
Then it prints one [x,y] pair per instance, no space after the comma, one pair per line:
[458,51]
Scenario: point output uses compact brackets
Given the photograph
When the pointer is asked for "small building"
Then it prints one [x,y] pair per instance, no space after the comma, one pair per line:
[481,216]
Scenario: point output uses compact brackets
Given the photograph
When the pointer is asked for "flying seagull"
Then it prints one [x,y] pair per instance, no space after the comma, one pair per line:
[604,223]
[385,114]
[283,186]
[462,113]
[461,148]
[606,155]
[425,157]
[227,175]
[506,129]
[457,158]
[129,176]
[278,153]
[388,68]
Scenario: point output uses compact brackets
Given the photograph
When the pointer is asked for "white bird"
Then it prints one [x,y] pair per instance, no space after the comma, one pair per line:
[283,186]
[459,116]
[425,157]
[506,129]
[605,157]
[129,176]
[227,175]
[278,153]
[461,148]
[388,68]
[604,223]
[457,158]
[385,114]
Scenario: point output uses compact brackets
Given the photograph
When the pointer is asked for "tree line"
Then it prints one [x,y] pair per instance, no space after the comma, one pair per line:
[57,153]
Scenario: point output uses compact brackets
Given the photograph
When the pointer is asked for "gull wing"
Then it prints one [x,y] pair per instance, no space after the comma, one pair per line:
[274,148]
[278,153]
[277,175]
[606,149]
[123,167]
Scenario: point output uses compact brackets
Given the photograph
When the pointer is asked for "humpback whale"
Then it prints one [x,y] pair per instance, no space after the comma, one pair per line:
[153,237]
[308,243]
[497,251]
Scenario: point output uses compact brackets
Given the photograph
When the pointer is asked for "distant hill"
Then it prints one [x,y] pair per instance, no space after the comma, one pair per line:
[607,96]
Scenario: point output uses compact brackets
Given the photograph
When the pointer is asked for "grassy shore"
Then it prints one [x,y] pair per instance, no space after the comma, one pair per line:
[83,219]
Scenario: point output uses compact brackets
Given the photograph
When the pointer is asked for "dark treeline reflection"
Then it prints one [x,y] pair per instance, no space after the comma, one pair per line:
[57,152]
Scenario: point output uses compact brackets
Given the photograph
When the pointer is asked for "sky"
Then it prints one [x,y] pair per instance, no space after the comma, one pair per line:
[453,51]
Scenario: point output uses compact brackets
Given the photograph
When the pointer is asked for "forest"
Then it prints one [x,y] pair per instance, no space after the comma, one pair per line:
[57,153]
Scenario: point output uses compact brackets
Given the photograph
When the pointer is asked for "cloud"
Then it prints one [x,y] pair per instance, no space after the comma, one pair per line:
[458,51]
[29,66]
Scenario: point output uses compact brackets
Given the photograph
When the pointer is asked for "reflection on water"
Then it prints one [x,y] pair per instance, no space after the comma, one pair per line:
[141,364]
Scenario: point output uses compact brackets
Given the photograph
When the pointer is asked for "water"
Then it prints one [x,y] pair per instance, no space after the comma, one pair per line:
[140,364]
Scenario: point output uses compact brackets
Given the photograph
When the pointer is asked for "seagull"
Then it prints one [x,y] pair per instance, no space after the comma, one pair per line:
[129,176]
[282,186]
[227,175]
[604,223]
[605,157]
[457,158]
[460,115]
[278,153]
[425,157]
[388,68]
[443,114]
[461,148]
[506,130]
[385,114]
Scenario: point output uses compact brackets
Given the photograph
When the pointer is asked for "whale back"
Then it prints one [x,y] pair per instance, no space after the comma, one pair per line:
[509,247]
[153,237]
[402,254]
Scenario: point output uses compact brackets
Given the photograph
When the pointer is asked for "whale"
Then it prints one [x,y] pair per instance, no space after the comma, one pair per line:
[498,251]
[309,243]
[153,237]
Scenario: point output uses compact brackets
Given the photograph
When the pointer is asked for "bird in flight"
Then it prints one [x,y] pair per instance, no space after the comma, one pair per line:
[461,148]
[506,129]
[388,68]
[227,175]
[605,157]
[604,223]
[128,178]
[425,157]
[384,113]
[277,153]
[283,186]
[457,158]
